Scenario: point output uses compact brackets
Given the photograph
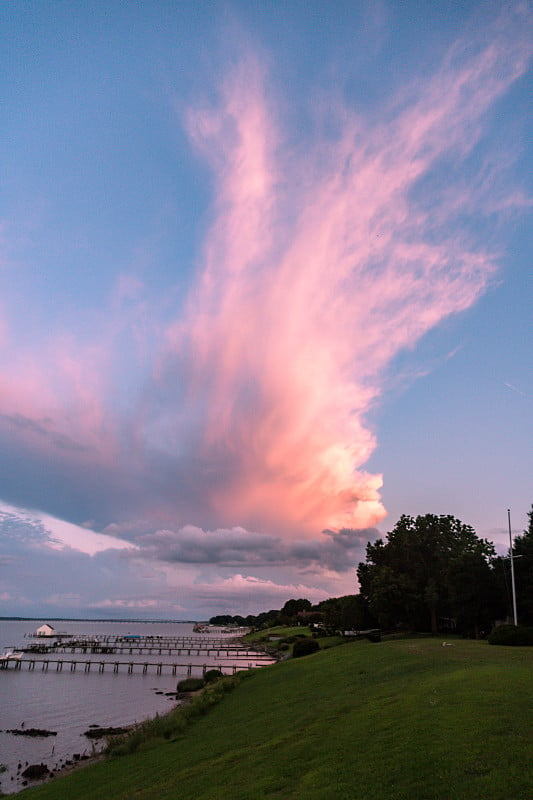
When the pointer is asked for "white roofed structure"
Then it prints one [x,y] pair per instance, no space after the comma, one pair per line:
[45,630]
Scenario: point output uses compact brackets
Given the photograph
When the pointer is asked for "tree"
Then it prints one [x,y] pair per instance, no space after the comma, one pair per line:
[221,619]
[417,576]
[289,612]
[346,613]
[476,595]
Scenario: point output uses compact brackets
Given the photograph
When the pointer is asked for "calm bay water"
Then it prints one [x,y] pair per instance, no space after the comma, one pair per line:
[69,702]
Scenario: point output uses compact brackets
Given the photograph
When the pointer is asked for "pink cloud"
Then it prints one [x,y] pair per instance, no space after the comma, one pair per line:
[139,603]
[319,267]
[321,263]
[246,594]
[54,394]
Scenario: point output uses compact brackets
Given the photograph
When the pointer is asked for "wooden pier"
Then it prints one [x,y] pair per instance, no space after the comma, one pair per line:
[121,648]
[145,641]
[104,644]
[46,654]
[131,667]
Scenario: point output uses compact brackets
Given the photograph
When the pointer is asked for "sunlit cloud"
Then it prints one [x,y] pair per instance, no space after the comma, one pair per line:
[320,266]
[234,429]
[242,594]
[55,534]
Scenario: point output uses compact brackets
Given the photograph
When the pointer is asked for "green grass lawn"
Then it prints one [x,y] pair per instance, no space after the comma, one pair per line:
[280,631]
[398,720]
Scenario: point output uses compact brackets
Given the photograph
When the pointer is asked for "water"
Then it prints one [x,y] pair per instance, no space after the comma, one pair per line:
[69,702]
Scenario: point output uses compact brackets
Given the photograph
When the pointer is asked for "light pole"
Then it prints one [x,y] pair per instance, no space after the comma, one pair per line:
[512,567]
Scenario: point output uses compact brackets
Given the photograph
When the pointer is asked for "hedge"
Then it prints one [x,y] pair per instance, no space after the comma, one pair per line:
[511,635]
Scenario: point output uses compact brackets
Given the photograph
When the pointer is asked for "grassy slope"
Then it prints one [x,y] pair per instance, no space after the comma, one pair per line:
[281,630]
[407,719]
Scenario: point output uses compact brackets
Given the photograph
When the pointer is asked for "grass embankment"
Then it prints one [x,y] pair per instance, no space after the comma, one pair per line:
[400,720]
[273,639]
[280,632]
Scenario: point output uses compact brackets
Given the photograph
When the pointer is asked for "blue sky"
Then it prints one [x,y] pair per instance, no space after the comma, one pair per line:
[265,285]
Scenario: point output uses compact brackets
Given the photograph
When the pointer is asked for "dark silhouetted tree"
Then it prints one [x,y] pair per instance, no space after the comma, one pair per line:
[413,578]
[289,612]
[346,613]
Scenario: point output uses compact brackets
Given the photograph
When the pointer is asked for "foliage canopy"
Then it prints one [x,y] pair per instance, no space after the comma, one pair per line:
[431,569]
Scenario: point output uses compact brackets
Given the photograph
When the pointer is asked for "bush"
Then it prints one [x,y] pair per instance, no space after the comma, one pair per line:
[303,647]
[190,684]
[512,635]
[212,675]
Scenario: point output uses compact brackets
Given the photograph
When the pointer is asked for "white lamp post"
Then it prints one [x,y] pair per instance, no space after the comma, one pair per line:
[512,567]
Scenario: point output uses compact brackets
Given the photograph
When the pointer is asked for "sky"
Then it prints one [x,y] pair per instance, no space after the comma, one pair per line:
[265,286]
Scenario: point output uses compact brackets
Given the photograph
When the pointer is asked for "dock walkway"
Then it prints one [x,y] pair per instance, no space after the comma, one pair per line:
[163,641]
[139,667]
[121,648]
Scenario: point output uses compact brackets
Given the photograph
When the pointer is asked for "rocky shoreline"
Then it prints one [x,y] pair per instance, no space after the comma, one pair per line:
[39,773]
[32,774]
[30,732]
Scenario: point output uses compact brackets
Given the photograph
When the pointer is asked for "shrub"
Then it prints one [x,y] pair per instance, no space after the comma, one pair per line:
[190,684]
[303,647]
[512,635]
[293,638]
[212,675]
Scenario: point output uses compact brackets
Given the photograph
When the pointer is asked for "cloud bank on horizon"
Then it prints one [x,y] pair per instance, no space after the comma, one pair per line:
[221,421]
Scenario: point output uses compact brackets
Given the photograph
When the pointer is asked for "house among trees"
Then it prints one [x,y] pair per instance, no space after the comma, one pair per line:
[45,630]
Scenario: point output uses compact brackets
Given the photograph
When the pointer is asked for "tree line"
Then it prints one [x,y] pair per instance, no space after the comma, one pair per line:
[430,573]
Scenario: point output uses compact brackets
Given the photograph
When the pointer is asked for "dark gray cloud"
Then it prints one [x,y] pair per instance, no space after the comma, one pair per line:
[47,470]
[237,547]
[72,484]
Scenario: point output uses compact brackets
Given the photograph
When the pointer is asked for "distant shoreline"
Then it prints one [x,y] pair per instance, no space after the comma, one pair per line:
[96,619]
